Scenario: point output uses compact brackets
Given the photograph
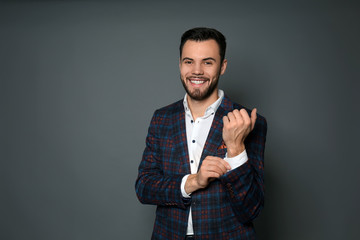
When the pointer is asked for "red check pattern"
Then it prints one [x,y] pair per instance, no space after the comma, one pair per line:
[227,207]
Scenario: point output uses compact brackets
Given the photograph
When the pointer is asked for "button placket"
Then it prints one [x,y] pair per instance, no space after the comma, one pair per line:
[194,145]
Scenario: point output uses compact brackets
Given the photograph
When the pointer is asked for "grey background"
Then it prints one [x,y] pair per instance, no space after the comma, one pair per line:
[81,79]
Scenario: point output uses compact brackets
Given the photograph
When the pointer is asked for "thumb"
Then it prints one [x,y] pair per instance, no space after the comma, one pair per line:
[253,118]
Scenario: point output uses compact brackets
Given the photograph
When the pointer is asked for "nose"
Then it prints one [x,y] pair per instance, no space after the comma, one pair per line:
[197,69]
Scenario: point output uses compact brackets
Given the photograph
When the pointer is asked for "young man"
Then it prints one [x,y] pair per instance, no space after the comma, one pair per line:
[203,165]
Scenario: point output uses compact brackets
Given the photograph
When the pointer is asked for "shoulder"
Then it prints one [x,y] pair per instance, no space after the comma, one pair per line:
[166,119]
[173,108]
[165,116]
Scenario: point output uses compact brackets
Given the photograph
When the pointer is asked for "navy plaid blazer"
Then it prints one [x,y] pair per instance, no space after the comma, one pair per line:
[223,210]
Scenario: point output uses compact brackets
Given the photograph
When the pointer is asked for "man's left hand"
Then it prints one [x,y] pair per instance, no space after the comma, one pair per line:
[237,126]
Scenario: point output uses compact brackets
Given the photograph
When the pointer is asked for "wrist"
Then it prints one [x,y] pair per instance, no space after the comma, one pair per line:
[234,151]
[191,184]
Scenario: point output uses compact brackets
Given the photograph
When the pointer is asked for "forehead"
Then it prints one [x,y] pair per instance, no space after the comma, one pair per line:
[201,49]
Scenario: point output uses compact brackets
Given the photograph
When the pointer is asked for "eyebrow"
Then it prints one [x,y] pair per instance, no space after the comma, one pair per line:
[205,59]
[209,58]
[187,58]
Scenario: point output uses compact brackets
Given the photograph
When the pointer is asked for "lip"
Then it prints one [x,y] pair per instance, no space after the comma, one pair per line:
[197,81]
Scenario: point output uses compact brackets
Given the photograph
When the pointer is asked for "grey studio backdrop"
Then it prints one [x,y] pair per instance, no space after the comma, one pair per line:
[80,81]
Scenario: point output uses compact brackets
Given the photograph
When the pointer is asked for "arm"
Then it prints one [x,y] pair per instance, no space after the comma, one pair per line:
[211,169]
[152,185]
[245,184]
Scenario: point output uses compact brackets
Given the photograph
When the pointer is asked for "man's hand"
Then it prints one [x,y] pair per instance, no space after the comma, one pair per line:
[237,126]
[211,168]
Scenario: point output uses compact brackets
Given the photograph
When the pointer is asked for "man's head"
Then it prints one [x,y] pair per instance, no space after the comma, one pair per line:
[202,34]
[202,61]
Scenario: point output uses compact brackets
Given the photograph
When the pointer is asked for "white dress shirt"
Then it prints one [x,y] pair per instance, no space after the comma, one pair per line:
[197,132]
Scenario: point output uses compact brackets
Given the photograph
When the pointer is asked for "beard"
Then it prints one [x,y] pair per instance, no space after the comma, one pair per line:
[199,95]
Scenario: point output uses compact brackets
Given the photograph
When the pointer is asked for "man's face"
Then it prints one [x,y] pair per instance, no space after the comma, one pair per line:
[200,68]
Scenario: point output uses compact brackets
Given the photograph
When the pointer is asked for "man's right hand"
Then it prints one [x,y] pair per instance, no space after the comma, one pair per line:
[211,168]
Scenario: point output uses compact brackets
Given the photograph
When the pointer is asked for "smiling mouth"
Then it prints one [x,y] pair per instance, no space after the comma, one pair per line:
[197,81]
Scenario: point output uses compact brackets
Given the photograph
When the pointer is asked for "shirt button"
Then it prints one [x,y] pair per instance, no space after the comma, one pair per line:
[193,141]
[192,121]
[192,161]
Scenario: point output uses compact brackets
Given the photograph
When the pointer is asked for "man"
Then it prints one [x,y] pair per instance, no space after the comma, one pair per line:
[203,165]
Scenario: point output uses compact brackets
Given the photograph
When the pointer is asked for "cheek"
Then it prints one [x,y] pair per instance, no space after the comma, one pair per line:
[214,73]
[184,72]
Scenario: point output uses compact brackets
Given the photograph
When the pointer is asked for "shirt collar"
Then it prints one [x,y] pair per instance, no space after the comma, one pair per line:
[211,109]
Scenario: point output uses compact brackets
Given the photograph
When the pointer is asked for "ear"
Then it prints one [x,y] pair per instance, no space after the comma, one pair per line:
[179,63]
[223,67]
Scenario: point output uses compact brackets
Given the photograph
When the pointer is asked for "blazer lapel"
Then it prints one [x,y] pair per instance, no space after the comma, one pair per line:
[180,140]
[214,139]
[213,142]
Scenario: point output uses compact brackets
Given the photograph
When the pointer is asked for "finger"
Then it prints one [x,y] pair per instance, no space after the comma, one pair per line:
[245,116]
[214,166]
[213,175]
[226,120]
[212,179]
[237,115]
[209,171]
[222,163]
[217,161]
[253,118]
[221,170]
[231,117]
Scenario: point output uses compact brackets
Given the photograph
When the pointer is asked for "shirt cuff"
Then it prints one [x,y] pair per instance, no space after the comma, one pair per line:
[238,160]
[182,186]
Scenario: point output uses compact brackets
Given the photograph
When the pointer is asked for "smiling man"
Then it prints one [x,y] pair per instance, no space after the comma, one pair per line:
[200,68]
[203,165]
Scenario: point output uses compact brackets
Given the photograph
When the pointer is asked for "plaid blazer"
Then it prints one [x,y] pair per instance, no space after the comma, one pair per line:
[223,210]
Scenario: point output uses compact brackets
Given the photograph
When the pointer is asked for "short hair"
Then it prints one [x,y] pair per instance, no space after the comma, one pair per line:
[202,34]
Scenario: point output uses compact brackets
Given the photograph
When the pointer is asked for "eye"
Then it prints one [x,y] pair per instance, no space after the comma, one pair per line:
[187,62]
[208,63]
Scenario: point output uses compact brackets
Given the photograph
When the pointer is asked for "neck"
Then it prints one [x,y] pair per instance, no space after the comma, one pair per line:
[198,107]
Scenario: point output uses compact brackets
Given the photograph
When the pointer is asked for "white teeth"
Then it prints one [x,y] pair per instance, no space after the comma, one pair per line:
[197,82]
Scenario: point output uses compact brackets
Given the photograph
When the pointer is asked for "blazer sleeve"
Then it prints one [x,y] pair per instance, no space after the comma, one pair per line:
[152,185]
[245,184]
